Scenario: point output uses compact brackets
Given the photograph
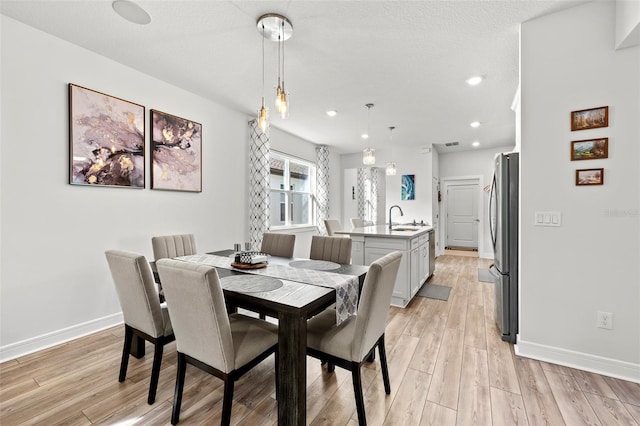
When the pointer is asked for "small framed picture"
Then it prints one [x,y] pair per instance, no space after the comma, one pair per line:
[590,149]
[589,177]
[590,118]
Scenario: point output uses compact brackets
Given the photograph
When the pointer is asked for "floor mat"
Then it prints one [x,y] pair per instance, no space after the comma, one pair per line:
[434,291]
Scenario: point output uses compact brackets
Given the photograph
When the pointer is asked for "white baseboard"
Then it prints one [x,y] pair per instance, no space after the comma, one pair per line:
[38,343]
[582,361]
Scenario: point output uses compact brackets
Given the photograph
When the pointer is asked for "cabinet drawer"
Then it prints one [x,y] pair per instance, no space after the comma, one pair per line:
[424,239]
[387,243]
[415,243]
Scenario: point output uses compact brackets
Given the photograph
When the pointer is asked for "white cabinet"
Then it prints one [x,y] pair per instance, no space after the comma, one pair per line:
[400,290]
[414,266]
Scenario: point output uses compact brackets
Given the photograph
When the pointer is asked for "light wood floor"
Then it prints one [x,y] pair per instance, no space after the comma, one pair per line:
[447,366]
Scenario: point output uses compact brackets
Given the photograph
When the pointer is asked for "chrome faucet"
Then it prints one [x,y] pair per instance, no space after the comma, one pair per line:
[391,208]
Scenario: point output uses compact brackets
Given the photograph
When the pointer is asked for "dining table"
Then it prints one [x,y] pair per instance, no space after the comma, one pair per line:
[302,294]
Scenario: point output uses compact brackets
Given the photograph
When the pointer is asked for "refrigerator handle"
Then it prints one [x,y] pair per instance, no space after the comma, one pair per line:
[493,234]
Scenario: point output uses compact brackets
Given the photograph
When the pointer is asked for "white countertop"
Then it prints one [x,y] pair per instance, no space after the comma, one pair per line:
[398,231]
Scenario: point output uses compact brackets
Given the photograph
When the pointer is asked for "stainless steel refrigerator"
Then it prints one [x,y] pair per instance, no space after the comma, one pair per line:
[503,223]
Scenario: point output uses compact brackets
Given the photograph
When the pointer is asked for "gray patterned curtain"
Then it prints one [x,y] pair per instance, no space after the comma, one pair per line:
[322,190]
[259,174]
[367,194]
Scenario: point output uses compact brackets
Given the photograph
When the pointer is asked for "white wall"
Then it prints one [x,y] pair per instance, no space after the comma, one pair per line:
[472,163]
[590,263]
[409,161]
[55,284]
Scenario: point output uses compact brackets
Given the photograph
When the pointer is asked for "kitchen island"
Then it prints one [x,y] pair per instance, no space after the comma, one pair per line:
[416,244]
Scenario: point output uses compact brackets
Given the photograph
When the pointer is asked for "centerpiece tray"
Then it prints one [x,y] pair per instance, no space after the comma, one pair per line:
[250,260]
[249,265]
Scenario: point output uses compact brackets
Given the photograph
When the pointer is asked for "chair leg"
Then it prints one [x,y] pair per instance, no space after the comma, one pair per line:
[383,365]
[357,390]
[227,401]
[155,372]
[177,395]
[124,363]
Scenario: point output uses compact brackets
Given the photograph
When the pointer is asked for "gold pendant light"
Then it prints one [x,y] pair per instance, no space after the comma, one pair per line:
[263,112]
[278,28]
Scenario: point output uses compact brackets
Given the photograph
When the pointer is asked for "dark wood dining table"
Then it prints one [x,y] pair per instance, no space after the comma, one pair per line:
[293,304]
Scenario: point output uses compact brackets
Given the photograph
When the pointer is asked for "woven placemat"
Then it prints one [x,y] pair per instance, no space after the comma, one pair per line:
[316,265]
[250,283]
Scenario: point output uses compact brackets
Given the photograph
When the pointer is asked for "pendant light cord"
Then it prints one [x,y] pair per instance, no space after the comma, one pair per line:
[262,64]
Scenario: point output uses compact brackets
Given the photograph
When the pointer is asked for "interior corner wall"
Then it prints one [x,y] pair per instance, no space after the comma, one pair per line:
[55,281]
[590,262]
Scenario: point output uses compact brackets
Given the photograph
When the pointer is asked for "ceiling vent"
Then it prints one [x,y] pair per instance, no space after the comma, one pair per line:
[452,144]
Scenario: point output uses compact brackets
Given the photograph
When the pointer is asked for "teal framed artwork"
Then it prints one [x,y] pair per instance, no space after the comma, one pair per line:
[408,190]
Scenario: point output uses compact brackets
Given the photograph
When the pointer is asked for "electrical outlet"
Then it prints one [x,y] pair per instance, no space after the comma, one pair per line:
[605,320]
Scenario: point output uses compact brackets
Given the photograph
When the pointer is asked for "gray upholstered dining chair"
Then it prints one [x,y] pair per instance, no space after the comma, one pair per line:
[173,246]
[144,315]
[356,222]
[332,226]
[333,249]
[226,346]
[348,344]
[281,245]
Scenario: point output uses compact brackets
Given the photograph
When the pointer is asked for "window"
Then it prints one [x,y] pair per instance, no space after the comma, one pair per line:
[293,184]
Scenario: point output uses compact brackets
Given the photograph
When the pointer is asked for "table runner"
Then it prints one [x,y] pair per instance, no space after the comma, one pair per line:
[346,286]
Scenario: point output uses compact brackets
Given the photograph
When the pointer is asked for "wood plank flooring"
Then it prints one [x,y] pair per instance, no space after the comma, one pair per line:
[447,365]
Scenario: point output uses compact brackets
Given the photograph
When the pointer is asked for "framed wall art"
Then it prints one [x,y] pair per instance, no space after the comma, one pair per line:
[590,118]
[106,138]
[408,189]
[176,153]
[590,149]
[589,177]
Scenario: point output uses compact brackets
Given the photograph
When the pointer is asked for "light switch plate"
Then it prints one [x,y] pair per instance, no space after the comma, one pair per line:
[547,219]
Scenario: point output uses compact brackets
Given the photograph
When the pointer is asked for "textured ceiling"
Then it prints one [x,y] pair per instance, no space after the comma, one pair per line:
[409,58]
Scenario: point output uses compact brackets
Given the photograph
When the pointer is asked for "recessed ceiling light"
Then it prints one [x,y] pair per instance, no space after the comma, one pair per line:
[332,113]
[474,80]
[131,12]
[475,144]
[474,124]
[365,136]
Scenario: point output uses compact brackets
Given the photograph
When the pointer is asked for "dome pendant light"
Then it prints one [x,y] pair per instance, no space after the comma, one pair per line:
[263,112]
[369,154]
[391,167]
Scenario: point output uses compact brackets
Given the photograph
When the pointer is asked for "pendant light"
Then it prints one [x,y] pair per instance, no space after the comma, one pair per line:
[282,97]
[391,166]
[263,112]
[278,28]
[368,154]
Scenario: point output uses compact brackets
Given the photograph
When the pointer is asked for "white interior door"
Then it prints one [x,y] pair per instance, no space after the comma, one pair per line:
[462,216]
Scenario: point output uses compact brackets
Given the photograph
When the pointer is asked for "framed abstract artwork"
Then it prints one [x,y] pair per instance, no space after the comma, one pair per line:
[590,149]
[176,153]
[106,138]
[589,177]
[408,189]
[590,118]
